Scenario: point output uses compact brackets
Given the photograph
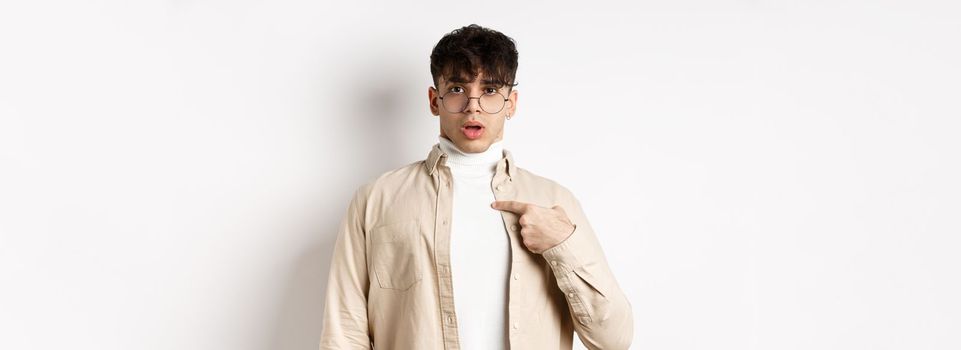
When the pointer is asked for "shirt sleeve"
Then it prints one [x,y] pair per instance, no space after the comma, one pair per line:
[601,313]
[345,309]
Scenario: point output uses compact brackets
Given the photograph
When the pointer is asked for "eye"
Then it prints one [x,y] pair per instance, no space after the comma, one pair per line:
[490,91]
[456,89]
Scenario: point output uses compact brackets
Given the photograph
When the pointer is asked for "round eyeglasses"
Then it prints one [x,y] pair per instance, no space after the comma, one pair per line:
[490,102]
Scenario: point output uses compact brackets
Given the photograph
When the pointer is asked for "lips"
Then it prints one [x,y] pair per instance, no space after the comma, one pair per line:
[473,123]
[472,130]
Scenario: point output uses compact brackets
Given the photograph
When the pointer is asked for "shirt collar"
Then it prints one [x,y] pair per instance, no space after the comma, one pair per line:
[437,155]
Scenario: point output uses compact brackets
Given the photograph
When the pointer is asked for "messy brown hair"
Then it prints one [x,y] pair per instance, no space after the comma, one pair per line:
[459,54]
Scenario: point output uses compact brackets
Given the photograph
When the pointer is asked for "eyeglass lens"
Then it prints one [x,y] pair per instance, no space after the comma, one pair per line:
[456,102]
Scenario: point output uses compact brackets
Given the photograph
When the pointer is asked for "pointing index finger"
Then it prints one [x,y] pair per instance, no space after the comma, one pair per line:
[511,206]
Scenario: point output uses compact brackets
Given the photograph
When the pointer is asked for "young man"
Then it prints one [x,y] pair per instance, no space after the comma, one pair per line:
[467,250]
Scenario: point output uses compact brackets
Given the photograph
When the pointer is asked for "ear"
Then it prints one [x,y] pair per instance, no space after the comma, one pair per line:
[432,100]
[512,98]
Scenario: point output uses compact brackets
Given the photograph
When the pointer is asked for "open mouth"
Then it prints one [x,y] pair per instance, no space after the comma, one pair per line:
[473,131]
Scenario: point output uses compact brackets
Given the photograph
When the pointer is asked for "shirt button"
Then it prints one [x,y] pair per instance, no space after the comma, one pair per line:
[515,325]
[571,294]
[554,262]
[513,227]
[500,188]
[445,221]
[515,276]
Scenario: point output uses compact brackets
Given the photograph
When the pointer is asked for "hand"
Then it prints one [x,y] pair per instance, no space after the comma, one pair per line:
[541,228]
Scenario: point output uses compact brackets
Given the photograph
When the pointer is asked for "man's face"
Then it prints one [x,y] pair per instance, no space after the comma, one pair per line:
[454,124]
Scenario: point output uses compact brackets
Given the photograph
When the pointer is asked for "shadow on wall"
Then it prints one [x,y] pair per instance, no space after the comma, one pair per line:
[372,129]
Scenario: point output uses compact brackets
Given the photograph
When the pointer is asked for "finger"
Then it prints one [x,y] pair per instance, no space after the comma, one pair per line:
[511,206]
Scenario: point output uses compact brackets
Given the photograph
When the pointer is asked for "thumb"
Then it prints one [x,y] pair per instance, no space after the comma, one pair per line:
[559,208]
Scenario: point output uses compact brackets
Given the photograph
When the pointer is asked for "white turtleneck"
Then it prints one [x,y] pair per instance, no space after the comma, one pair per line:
[479,249]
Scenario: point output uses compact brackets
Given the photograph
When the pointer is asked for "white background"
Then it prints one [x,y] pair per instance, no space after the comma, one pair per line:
[762,174]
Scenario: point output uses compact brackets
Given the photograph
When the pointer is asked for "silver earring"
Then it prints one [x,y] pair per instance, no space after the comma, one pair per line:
[508,117]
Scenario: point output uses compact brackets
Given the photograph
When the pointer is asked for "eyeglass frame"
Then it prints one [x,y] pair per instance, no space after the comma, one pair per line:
[478,101]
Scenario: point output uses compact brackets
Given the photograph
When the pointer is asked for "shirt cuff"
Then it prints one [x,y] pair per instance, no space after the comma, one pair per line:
[567,255]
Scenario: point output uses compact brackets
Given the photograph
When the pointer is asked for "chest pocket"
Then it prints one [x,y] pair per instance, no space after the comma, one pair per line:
[396,249]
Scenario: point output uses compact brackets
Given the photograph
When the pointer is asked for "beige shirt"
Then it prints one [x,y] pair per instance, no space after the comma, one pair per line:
[390,287]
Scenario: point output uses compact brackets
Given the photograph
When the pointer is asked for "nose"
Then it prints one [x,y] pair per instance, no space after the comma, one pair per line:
[473,105]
